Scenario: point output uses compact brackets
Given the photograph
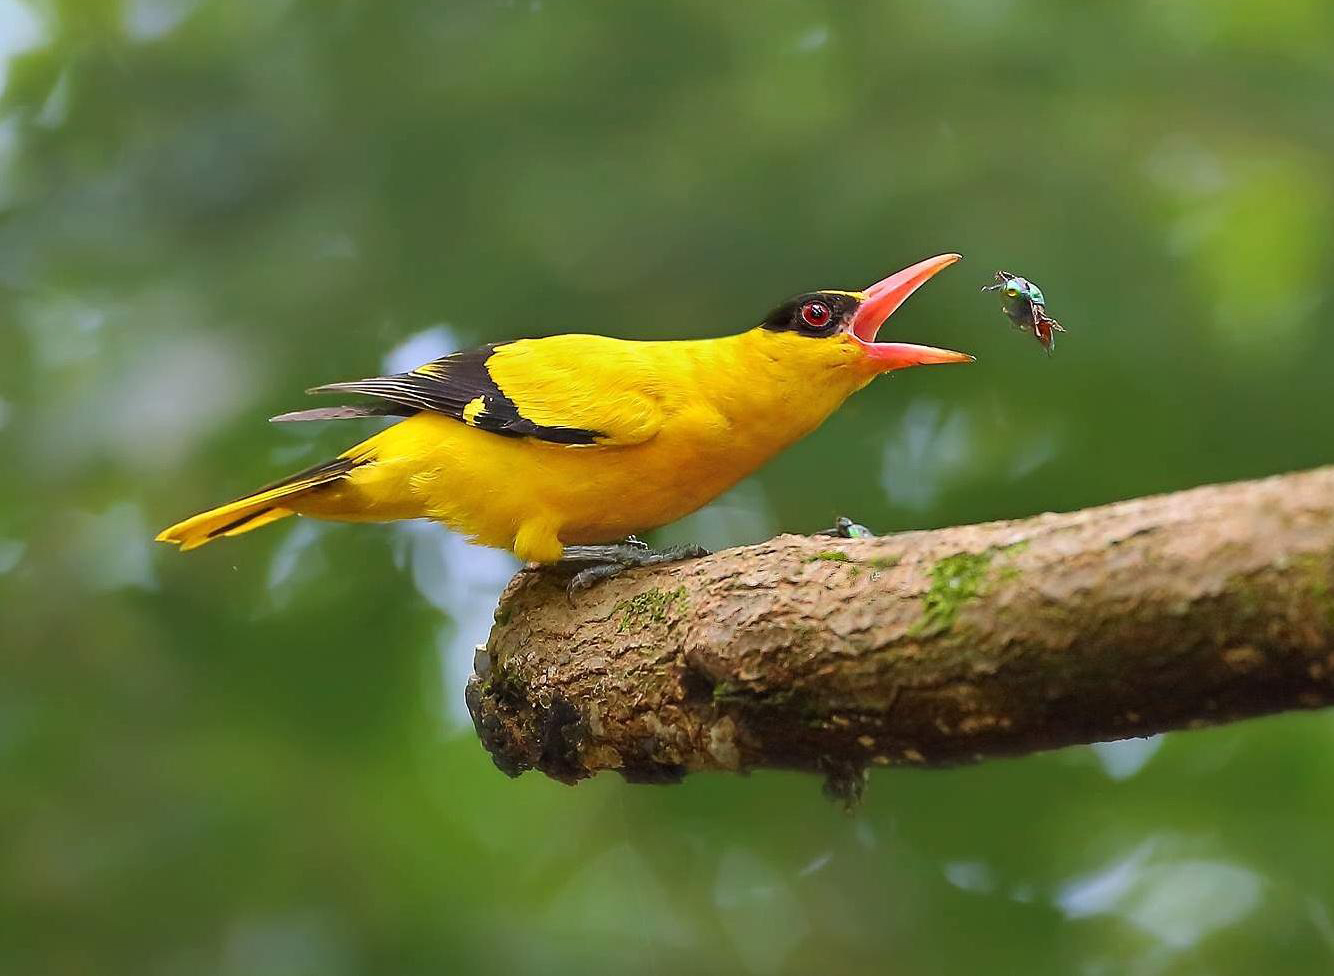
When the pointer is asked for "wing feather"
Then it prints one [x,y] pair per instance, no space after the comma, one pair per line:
[573,390]
[345,413]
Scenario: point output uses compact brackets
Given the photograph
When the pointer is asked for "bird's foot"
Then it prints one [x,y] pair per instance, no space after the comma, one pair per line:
[846,528]
[593,564]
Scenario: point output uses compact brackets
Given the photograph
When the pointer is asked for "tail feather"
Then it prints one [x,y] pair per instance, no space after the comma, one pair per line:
[256,509]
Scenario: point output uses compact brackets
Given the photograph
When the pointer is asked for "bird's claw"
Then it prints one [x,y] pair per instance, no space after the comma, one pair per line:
[609,561]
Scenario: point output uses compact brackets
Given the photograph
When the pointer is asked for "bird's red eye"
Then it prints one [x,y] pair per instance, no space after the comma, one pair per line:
[815,314]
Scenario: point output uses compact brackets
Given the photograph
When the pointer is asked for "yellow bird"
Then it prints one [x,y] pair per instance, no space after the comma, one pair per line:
[554,447]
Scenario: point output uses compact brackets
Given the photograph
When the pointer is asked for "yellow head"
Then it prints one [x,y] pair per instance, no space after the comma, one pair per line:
[838,328]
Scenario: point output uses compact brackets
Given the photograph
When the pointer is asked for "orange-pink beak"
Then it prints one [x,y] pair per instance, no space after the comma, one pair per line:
[883,298]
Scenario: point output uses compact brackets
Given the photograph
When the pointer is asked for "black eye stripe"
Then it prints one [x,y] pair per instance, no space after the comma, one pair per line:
[815,314]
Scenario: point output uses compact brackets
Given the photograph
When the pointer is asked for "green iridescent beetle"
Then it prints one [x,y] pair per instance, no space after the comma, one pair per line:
[1026,307]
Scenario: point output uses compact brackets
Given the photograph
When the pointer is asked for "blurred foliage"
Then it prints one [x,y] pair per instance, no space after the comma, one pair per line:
[251,761]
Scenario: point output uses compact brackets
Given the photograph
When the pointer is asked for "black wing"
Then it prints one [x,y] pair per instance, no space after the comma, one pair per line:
[458,386]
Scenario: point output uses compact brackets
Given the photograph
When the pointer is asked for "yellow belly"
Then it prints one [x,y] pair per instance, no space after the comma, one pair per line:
[531,496]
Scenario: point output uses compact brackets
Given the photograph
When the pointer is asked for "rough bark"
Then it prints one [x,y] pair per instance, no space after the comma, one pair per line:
[923,648]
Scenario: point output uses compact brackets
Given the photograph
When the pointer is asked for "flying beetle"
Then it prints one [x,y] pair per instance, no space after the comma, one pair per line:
[1023,302]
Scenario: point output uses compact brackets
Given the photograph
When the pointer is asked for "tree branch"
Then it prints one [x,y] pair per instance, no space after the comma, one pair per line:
[924,648]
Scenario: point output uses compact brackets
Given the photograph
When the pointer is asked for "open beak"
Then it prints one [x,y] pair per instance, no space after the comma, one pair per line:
[882,299]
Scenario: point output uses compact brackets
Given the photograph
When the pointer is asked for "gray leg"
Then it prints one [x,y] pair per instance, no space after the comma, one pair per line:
[597,563]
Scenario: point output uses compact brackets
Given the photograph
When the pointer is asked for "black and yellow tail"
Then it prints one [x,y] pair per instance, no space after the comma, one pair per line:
[256,509]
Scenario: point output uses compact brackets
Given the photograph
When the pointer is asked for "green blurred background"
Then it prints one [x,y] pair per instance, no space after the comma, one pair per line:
[254,761]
